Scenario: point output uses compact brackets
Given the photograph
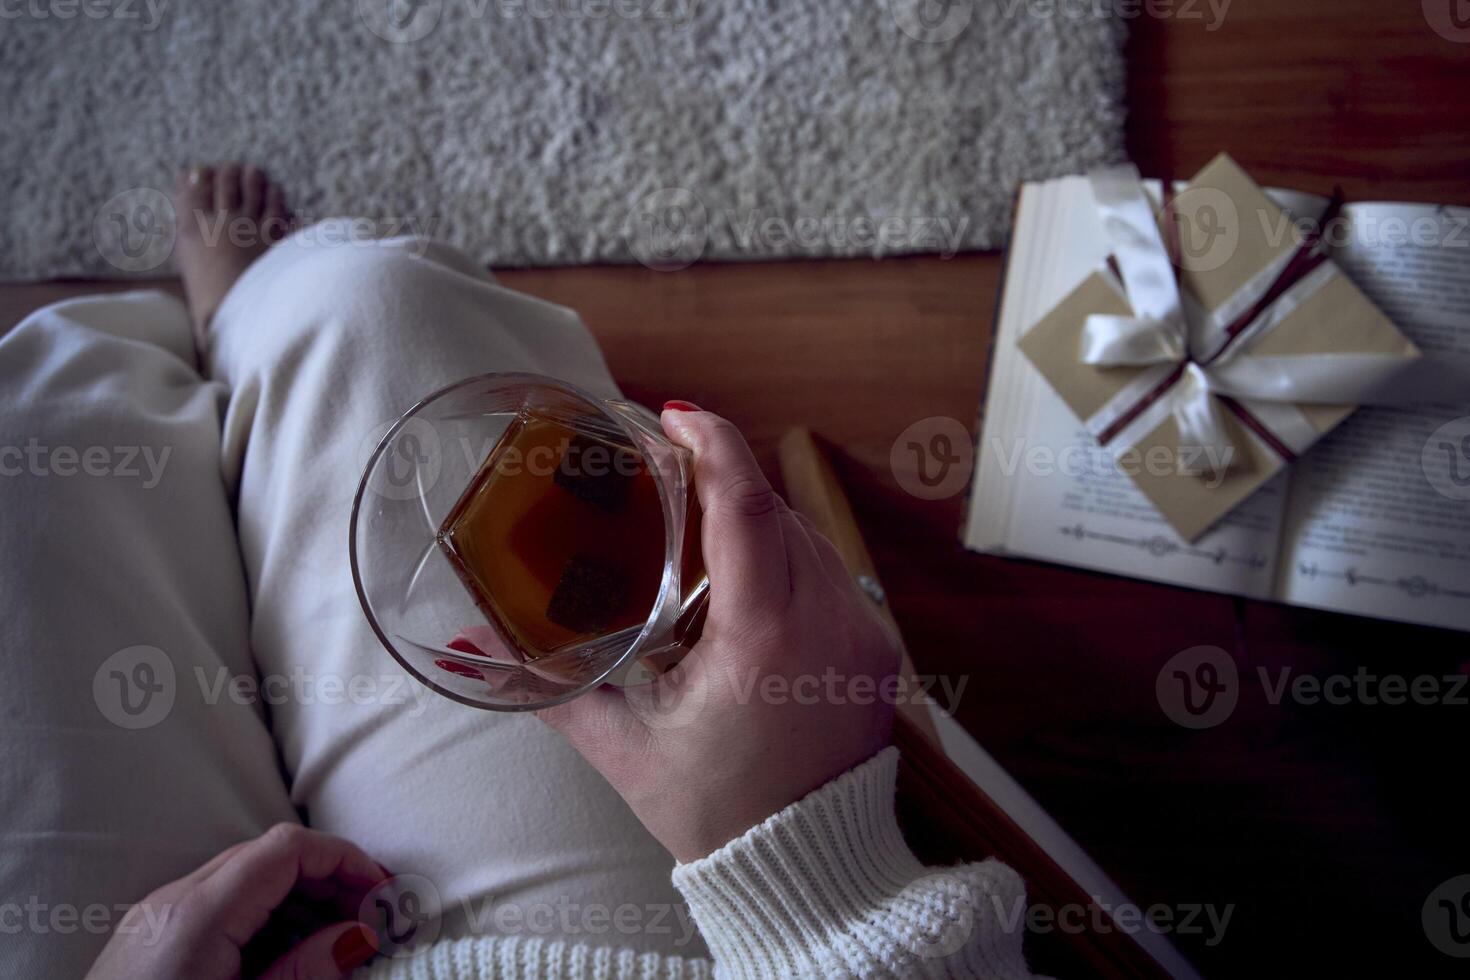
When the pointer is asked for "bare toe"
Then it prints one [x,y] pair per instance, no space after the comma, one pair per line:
[252,203]
[227,194]
[274,217]
[277,220]
[193,198]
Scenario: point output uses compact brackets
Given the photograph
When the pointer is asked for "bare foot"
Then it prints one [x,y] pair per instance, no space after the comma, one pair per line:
[227,216]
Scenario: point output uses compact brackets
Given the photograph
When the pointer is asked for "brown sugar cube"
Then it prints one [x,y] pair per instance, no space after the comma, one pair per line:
[597,472]
[589,596]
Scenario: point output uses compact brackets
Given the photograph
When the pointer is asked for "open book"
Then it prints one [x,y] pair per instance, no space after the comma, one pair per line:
[1374,520]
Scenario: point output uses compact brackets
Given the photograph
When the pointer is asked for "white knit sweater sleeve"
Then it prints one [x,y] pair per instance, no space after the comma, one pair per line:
[827,888]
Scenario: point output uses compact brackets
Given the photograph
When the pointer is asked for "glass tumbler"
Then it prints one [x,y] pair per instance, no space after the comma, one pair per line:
[516,541]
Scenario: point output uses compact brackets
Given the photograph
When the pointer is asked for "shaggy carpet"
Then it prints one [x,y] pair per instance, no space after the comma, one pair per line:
[533,132]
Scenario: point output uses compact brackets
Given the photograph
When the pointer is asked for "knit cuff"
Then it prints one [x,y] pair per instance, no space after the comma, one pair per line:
[827,887]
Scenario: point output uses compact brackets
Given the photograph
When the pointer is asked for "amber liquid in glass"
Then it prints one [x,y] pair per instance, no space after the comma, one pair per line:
[560,537]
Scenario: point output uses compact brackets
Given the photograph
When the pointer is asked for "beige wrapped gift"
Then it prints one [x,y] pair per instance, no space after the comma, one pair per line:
[1207,368]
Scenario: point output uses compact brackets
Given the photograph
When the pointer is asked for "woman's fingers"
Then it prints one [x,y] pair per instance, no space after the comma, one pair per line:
[212,865]
[327,954]
[744,549]
[242,891]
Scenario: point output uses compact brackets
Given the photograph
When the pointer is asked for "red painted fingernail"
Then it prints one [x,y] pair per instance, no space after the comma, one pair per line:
[464,644]
[354,948]
[681,406]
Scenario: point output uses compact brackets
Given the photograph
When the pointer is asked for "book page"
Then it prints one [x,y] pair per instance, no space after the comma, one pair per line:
[1076,506]
[1379,515]
[1044,488]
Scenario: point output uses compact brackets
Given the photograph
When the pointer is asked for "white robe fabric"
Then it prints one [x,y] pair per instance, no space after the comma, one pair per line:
[186,661]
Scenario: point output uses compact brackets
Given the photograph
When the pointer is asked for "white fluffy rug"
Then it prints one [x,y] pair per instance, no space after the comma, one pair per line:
[552,131]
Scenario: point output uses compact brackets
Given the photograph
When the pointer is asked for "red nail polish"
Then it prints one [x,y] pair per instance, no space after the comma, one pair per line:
[354,948]
[681,406]
[464,644]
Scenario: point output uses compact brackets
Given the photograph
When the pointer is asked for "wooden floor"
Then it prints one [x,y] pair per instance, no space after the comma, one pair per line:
[1325,829]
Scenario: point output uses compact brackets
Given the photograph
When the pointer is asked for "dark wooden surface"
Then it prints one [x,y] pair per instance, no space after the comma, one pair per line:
[1324,828]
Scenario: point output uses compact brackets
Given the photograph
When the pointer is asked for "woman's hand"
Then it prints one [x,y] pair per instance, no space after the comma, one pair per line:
[781,694]
[283,906]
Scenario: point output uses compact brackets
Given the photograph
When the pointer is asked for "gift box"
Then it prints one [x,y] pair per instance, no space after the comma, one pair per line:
[1216,345]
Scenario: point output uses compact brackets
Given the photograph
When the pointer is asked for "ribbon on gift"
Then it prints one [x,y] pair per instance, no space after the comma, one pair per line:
[1195,364]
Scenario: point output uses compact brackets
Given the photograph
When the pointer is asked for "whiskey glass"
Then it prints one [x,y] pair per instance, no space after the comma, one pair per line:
[468,557]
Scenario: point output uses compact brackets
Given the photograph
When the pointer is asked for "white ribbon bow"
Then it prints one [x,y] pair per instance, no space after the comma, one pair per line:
[1167,330]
